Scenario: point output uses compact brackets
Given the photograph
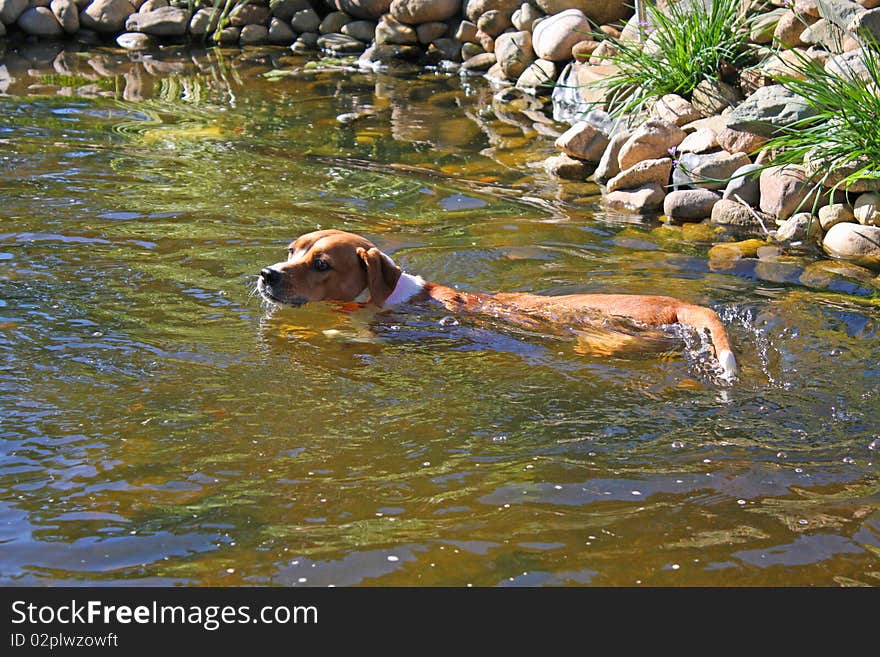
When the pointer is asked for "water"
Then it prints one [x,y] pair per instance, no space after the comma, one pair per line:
[160,426]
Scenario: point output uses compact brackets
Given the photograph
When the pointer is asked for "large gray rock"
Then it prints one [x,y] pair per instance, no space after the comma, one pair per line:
[10,10]
[689,204]
[599,11]
[369,9]
[415,12]
[162,22]
[854,242]
[768,109]
[39,21]
[106,16]
[744,185]
[731,213]
[514,53]
[554,36]
[67,14]
[305,20]
[799,227]
[786,190]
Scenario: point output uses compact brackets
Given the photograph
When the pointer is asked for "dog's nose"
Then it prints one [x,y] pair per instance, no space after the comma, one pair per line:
[269,275]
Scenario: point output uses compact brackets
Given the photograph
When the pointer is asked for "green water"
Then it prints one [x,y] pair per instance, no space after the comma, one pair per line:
[159,425]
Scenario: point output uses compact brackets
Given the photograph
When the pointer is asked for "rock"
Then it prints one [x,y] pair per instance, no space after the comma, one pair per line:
[855,243]
[368,9]
[39,21]
[493,22]
[599,11]
[762,27]
[229,35]
[866,209]
[514,53]
[149,5]
[727,251]
[428,32]
[285,9]
[554,36]
[646,172]
[249,14]
[563,166]
[136,41]
[524,17]
[731,213]
[739,141]
[689,204]
[768,109]
[280,32]
[486,41]
[674,109]
[824,33]
[361,30]
[807,8]
[341,44]
[203,22]
[305,20]
[466,32]
[445,48]
[866,24]
[784,191]
[473,9]
[583,141]
[165,21]
[254,34]
[699,141]
[849,65]
[608,164]
[67,14]
[583,50]
[643,200]
[651,140]
[713,97]
[393,31]
[788,29]
[713,170]
[106,16]
[836,213]
[469,50]
[482,62]
[332,23]
[799,227]
[539,76]
[744,185]
[10,10]
[414,12]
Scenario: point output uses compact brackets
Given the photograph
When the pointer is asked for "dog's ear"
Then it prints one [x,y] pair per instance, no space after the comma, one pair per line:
[382,274]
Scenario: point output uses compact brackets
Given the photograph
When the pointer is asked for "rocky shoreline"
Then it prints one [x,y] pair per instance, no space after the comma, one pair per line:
[689,160]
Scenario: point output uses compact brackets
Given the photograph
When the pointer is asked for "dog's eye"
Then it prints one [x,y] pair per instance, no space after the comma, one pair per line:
[320,264]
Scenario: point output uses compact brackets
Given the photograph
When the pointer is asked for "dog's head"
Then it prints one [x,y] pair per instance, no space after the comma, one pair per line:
[329,265]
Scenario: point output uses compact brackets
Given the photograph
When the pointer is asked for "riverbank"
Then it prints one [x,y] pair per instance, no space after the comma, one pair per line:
[696,159]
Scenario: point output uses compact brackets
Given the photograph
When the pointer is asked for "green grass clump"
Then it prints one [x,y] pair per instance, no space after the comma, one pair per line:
[691,41]
[840,143]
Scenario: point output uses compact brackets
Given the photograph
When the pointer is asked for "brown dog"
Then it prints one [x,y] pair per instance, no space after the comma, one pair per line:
[332,265]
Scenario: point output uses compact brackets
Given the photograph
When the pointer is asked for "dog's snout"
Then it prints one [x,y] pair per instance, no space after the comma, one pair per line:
[270,275]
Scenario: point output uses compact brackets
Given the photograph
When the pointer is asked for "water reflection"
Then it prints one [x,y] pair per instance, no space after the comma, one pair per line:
[159,426]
